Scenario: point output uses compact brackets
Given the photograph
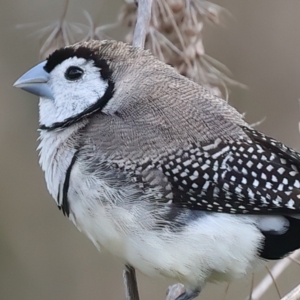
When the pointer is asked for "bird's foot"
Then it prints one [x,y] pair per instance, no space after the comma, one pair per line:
[179,292]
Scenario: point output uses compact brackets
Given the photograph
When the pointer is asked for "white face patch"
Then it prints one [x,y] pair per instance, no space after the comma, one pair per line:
[71,97]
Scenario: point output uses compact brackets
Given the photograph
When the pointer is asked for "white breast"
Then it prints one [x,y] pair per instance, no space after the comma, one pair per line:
[56,152]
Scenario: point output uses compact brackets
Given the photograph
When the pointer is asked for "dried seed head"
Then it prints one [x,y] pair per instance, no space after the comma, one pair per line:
[213,15]
[175,36]
[176,5]
[199,48]
[61,33]
[58,34]
[191,30]
[190,52]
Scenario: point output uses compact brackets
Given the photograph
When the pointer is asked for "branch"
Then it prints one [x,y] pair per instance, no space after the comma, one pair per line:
[293,295]
[139,37]
[130,283]
[142,23]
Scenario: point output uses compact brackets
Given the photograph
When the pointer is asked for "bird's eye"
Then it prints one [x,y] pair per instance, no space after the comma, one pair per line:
[73,73]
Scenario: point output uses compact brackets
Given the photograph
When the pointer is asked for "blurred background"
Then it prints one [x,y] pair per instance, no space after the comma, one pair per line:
[42,255]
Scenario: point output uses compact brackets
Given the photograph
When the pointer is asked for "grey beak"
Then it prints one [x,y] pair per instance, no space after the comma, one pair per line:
[35,81]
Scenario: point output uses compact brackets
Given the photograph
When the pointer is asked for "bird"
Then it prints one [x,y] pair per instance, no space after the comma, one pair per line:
[157,170]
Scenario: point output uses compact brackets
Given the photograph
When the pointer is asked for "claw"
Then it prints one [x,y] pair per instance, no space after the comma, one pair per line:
[174,291]
[179,292]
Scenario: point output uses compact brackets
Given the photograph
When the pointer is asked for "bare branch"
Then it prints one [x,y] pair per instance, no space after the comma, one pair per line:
[293,295]
[139,37]
[130,283]
[142,23]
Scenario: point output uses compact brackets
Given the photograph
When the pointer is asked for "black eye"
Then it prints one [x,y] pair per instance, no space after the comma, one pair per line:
[73,73]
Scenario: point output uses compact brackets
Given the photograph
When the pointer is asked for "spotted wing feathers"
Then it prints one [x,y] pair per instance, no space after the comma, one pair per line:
[255,175]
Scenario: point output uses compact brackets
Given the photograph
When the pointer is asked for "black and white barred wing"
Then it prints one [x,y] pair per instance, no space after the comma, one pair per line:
[256,175]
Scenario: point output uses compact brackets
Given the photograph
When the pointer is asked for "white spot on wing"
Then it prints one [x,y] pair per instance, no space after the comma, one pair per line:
[291,204]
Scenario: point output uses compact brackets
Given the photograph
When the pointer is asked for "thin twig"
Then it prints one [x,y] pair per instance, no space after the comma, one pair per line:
[142,23]
[296,261]
[277,270]
[226,291]
[130,283]
[251,287]
[64,11]
[274,281]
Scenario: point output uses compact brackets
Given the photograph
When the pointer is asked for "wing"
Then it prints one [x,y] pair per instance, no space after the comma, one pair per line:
[253,174]
[257,175]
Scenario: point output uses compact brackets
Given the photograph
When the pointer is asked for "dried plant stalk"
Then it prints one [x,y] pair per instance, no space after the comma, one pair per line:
[57,34]
[142,23]
[293,295]
[131,288]
[175,37]
[61,33]
[274,282]
[140,33]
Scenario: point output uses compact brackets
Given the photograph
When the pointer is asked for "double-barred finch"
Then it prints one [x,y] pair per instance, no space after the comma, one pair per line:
[159,171]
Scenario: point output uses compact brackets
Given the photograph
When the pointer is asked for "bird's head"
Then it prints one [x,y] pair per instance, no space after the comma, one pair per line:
[78,80]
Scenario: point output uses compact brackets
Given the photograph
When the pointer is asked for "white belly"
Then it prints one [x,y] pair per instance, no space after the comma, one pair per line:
[215,247]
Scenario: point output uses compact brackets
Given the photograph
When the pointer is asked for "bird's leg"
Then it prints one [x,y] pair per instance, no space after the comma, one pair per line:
[179,292]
